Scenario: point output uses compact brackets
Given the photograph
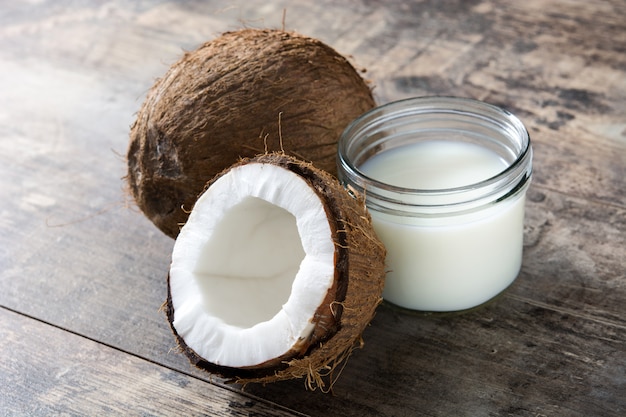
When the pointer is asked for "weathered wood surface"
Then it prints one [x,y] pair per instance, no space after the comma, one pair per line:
[47,370]
[82,272]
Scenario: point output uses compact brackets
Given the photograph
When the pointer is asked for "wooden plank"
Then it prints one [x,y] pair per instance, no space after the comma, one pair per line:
[574,258]
[48,371]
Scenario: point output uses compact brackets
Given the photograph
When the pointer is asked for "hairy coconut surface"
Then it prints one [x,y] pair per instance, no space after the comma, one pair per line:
[242,94]
[351,292]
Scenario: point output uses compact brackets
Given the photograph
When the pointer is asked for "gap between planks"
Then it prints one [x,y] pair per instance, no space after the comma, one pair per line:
[153,362]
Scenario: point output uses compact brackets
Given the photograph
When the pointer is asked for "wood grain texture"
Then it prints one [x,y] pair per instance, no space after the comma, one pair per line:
[48,371]
[82,272]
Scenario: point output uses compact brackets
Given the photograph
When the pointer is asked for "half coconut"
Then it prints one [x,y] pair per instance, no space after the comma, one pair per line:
[275,275]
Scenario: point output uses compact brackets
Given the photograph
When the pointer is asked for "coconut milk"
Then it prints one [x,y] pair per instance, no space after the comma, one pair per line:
[458,262]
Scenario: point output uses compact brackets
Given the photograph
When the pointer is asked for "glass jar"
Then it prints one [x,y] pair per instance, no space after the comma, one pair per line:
[444,180]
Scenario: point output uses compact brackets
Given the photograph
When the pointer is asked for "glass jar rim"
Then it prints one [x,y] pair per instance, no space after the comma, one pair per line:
[424,105]
[511,180]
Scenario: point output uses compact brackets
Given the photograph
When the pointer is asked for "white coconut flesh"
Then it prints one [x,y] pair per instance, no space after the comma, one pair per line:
[251,266]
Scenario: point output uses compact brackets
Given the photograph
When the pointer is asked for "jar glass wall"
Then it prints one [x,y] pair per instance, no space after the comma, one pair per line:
[444,180]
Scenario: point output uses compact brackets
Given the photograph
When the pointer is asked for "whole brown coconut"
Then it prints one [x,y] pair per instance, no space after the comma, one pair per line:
[244,93]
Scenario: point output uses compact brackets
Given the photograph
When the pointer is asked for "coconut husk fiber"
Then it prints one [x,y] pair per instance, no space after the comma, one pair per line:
[239,95]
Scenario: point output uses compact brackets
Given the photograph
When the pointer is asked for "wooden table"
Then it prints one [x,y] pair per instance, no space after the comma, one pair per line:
[82,272]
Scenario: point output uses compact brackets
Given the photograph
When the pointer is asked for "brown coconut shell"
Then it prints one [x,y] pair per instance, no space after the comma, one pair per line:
[350,303]
[242,94]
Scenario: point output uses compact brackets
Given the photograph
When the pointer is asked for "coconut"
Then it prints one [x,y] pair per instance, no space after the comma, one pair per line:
[275,275]
[241,94]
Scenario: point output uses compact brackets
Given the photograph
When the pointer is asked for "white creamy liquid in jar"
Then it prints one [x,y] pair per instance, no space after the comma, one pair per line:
[446,264]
